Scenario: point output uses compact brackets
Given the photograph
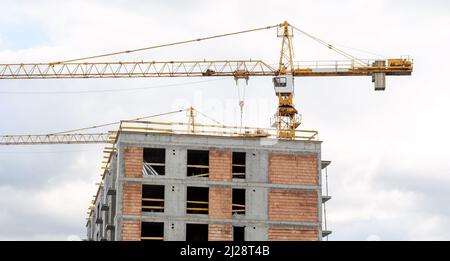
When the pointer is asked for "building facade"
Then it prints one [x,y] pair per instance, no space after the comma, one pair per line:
[177,187]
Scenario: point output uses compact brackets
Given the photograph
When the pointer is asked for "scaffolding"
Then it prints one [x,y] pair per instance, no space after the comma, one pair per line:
[325,198]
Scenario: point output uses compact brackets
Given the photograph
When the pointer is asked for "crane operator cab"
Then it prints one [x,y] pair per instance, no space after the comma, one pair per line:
[286,119]
[283,85]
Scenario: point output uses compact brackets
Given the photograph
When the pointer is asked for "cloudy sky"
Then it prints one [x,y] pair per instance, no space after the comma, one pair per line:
[390,176]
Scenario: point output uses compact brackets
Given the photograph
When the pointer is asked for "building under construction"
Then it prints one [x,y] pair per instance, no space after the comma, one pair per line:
[202,185]
[208,182]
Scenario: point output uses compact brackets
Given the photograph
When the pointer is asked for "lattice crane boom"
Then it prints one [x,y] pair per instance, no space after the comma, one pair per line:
[76,138]
[233,68]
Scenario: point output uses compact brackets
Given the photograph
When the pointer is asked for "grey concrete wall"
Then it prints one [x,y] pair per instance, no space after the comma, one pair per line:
[208,142]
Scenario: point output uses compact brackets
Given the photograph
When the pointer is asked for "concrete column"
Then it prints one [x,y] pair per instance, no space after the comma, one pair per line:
[256,233]
[256,203]
[174,230]
[176,161]
[257,166]
[175,194]
[175,200]
[256,198]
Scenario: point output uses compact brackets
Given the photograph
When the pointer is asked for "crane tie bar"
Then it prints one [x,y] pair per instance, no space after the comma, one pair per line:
[166,45]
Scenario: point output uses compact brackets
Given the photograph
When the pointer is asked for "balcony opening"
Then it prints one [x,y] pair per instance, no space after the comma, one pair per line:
[238,207]
[238,234]
[197,163]
[154,162]
[152,231]
[113,210]
[238,165]
[197,200]
[98,215]
[152,198]
[196,232]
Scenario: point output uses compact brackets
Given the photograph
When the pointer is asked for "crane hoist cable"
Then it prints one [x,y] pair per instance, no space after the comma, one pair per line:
[241,97]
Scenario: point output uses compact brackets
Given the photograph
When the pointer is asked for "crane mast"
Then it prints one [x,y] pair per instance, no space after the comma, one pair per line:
[286,119]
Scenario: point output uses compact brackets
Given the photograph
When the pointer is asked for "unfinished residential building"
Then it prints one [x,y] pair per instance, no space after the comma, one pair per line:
[198,187]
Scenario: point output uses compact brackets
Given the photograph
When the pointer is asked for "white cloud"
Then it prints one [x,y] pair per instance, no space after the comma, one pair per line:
[384,146]
[430,228]
[374,238]
[73,238]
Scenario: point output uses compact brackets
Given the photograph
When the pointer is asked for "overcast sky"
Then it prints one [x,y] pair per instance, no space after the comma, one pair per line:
[390,176]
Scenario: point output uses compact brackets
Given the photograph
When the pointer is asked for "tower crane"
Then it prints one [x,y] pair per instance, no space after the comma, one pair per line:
[286,119]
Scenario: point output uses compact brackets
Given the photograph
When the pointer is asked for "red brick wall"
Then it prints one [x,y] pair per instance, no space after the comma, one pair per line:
[134,158]
[132,193]
[292,234]
[132,199]
[220,165]
[220,197]
[220,232]
[131,230]
[220,203]
[293,205]
[293,169]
